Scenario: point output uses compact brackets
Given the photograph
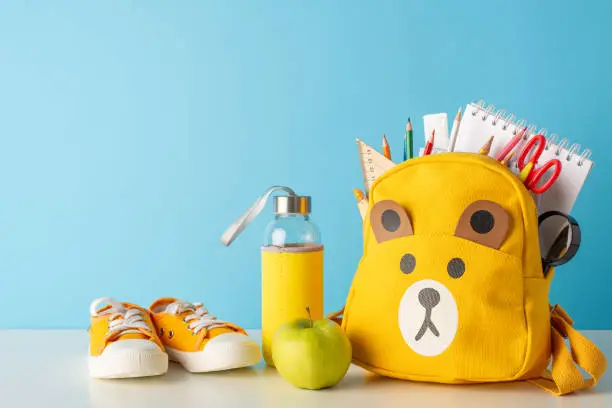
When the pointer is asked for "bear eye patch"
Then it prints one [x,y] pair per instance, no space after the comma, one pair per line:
[484,222]
[389,220]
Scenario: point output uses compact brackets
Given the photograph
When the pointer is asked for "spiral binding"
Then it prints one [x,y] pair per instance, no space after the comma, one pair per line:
[507,120]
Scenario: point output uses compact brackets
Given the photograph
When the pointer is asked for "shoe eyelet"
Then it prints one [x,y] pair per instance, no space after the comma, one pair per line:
[170,334]
[161,332]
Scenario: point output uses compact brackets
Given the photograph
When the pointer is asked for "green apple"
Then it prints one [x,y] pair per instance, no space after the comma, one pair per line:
[311,354]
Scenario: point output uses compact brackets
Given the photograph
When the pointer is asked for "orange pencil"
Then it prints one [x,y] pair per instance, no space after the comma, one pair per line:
[487,147]
[362,202]
[386,148]
[359,194]
[429,144]
[506,160]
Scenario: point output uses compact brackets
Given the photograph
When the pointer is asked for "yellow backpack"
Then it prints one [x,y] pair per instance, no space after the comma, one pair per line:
[451,288]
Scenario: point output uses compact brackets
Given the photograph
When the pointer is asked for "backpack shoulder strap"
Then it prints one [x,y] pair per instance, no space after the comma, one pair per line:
[565,376]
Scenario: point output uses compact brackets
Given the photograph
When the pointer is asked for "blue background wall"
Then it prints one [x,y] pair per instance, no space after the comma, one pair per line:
[133,133]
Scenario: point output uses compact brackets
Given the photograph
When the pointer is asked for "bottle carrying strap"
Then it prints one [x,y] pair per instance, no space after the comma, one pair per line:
[249,215]
[565,376]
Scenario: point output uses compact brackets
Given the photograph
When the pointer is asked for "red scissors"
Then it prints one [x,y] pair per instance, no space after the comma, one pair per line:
[531,154]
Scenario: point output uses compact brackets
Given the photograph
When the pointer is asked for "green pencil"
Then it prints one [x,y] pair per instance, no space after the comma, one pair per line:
[408,143]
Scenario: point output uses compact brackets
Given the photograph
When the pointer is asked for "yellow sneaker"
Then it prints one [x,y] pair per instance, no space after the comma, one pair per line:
[198,340]
[123,342]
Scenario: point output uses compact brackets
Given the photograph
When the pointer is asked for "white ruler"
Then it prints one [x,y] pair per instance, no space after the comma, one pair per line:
[373,164]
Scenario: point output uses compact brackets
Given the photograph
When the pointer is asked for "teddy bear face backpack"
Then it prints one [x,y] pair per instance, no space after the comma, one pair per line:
[451,287]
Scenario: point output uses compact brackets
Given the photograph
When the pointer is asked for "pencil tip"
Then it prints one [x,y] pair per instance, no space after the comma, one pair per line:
[433,134]
[358,194]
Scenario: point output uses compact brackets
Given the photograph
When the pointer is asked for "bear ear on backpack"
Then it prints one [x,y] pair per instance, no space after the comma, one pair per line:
[389,220]
[484,222]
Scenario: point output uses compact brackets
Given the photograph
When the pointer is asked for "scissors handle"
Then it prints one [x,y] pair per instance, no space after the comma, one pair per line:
[537,174]
[538,142]
[570,251]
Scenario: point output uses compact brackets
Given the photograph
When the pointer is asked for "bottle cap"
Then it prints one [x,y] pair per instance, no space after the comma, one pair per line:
[284,205]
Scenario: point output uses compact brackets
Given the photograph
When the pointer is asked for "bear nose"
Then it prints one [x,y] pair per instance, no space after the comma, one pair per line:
[429,298]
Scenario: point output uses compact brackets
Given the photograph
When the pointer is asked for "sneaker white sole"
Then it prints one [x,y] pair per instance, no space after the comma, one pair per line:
[218,355]
[128,364]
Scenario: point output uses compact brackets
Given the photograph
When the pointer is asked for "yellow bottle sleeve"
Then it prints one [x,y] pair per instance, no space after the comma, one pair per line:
[292,279]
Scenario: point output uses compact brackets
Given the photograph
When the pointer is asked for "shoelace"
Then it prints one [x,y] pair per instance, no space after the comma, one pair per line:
[121,319]
[128,321]
[199,319]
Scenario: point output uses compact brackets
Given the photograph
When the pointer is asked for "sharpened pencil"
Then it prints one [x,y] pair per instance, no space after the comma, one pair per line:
[454,131]
[429,144]
[359,194]
[511,144]
[487,147]
[386,148]
[505,161]
[408,142]
[362,202]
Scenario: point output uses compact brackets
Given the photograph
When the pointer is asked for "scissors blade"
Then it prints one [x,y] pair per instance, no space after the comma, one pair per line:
[559,245]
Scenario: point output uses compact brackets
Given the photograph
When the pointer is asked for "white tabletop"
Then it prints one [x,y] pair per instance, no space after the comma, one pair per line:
[49,369]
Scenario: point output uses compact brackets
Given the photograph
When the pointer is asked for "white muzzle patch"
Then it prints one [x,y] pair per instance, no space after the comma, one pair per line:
[428,317]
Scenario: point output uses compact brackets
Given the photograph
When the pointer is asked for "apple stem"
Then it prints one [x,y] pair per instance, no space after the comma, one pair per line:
[309,317]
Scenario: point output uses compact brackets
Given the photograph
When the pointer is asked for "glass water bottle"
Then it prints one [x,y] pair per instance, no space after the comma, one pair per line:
[291,262]
[292,268]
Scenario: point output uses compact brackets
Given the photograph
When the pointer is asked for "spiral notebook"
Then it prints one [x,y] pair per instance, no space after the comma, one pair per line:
[479,122]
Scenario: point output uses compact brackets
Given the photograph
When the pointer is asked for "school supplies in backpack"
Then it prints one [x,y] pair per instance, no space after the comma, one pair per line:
[479,122]
[451,286]
[537,178]
[373,164]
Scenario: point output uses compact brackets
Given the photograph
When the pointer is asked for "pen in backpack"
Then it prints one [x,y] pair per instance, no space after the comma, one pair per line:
[454,131]
[386,148]
[429,144]
[486,148]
